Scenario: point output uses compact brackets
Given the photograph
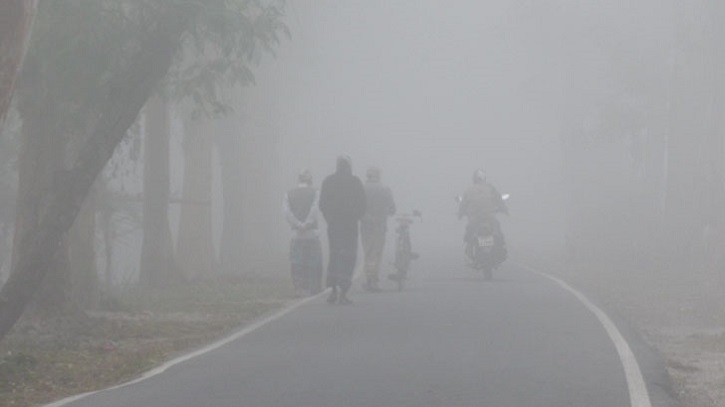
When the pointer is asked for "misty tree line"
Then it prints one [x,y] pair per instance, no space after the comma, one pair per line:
[642,130]
[88,71]
[642,125]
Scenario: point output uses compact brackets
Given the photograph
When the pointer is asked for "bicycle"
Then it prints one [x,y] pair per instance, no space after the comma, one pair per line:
[403,248]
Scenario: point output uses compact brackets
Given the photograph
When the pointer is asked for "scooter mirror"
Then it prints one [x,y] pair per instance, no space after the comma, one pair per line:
[505,197]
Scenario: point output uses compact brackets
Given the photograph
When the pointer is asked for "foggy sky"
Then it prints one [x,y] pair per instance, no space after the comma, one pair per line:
[428,91]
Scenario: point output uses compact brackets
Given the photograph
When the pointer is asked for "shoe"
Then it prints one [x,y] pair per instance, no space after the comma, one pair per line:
[344,300]
[332,298]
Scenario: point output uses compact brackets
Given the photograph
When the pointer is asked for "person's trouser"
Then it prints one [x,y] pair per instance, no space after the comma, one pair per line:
[373,243]
[343,241]
[306,264]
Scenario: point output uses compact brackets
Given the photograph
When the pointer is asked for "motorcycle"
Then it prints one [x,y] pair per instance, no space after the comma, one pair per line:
[485,244]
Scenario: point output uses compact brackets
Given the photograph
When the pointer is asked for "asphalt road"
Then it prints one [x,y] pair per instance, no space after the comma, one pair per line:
[449,339]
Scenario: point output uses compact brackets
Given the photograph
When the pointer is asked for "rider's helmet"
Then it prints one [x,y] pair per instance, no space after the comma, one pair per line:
[479,176]
[305,177]
[373,174]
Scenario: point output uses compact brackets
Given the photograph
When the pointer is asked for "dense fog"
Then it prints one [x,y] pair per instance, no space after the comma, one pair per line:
[146,149]
[428,92]
[594,117]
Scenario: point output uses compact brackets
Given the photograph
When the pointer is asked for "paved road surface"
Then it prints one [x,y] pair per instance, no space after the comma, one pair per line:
[450,339]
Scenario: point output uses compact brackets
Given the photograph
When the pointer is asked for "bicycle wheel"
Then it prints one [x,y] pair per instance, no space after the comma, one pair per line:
[402,263]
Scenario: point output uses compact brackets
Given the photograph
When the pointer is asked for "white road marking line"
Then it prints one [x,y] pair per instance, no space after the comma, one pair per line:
[638,395]
[154,372]
[245,331]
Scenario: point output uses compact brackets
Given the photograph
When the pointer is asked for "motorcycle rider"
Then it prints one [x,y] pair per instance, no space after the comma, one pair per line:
[479,204]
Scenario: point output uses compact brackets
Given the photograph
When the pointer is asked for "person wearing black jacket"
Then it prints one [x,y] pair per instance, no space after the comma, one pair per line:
[342,203]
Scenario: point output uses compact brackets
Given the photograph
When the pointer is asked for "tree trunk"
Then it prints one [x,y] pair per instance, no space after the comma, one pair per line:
[85,289]
[716,241]
[688,156]
[716,142]
[16,18]
[126,95]
[261,200]
[157,254]
[41,158]
[229,146]
[195,245]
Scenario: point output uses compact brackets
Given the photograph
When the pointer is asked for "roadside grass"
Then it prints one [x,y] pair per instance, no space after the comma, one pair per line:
[39,364]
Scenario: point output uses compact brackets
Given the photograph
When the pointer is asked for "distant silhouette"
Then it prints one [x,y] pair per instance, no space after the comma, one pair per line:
[301,212]
[342,203]
[373,227]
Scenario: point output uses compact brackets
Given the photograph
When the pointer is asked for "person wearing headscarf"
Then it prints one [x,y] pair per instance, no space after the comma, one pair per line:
[301,212]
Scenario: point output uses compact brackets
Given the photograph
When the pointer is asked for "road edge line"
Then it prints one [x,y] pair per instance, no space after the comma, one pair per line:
[213,346]
[638,393]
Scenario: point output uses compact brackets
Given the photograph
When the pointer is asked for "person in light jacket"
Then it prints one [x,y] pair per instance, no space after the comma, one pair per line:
[300,209]
[374,225]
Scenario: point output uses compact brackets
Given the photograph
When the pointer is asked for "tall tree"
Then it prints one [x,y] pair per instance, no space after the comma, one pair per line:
[229,144]
[84,290]
[41,157]
[158,266]
[693,126]
[16,18]
[143,40]
[195,246]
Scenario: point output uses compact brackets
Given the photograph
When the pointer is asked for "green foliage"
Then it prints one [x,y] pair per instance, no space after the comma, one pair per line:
[226,38]
[79,46]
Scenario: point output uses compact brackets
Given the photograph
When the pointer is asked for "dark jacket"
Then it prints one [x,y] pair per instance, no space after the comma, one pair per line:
[342,197]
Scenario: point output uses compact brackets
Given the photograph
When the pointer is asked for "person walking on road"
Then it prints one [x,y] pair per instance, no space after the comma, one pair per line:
[300,209]
[342,203]
[373,227]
